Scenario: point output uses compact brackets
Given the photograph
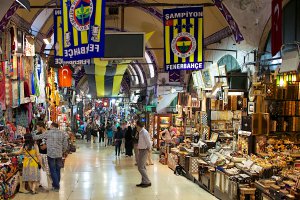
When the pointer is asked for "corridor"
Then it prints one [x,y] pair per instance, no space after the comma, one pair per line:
[94,173]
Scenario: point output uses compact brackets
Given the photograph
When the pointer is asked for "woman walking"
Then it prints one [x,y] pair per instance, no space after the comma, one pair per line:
[89,131]
[128,142]
[118,140]
[109,134]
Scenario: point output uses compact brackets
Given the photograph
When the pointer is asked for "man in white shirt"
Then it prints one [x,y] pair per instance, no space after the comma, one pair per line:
[144,145]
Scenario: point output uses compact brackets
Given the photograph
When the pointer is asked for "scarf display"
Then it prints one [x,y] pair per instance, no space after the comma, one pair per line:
[2,85]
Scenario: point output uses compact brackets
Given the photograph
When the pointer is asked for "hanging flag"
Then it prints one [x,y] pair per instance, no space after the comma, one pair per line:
[105,80]
[83,29]
[276,30]
[65,77]
[58,37]
[183,31]
[97,30]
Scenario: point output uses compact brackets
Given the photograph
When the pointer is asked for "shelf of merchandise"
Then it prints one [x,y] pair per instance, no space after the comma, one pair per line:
[159,124]
[229,130]
[282,100]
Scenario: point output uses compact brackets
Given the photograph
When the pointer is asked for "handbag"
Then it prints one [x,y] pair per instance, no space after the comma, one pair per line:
[39,165]
[44,179]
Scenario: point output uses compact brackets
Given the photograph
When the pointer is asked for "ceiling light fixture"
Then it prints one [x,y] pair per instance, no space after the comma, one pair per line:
[24,3]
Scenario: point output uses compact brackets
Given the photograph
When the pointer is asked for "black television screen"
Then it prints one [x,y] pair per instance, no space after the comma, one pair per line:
[124,46]
[238,81]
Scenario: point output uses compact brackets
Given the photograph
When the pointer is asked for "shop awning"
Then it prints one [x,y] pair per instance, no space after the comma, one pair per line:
[105,79]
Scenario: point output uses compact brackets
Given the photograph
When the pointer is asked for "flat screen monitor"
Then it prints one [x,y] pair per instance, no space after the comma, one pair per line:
[238,81]
[124,46]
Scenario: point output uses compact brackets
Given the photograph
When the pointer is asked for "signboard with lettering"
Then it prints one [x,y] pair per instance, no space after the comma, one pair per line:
[183,32]
[83,28]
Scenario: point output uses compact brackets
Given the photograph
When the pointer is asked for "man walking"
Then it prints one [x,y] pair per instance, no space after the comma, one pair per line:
[57,144]
[144,145]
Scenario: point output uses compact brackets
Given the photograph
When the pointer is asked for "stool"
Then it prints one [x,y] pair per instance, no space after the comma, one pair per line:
[249,191]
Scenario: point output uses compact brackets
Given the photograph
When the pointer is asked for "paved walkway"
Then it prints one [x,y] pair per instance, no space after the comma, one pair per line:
[93,172]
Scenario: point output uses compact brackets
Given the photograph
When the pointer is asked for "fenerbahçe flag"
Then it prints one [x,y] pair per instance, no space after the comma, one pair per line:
[83,29]
[58,37]
[183,31]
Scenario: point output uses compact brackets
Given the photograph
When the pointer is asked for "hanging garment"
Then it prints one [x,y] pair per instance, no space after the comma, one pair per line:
[2,86]
[22,118]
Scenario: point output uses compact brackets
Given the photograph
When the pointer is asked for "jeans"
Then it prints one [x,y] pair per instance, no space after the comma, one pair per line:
[118,147]
[55,165]
[101,137]
[109,141]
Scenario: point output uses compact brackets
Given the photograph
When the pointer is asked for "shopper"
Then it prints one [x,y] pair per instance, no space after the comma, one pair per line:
[128,142]
[94,132]
[57,144]
[84,128]
[118,136]
[166,135]
[144,145]
[89,130]
[149,160]
[109,134]
[101,133]
[124,130]
[135,137]
[41,128]
[31,163]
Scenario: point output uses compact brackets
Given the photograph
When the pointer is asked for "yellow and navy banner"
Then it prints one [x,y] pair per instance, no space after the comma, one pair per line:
[58,37]
[183,33]
[83,29]
[105,79]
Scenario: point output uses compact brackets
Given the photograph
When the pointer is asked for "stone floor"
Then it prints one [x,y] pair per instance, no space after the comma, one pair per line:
[93,172]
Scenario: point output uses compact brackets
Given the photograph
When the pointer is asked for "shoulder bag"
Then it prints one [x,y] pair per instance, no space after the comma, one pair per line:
[39,165]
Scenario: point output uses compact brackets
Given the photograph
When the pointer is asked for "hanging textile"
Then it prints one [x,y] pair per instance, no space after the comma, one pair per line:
[36,82]
[22,118]
[105,80]
[8,85]
[32,84]
[15,94]
[42,84]
[2,86]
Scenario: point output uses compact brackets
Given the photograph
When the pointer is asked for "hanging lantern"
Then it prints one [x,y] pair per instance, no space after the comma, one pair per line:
[65,77]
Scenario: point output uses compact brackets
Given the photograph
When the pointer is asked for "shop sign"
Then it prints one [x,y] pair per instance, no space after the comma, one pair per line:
[83,28]
[183,33]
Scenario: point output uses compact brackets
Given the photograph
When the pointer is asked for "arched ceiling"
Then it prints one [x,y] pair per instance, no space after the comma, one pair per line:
[147,19]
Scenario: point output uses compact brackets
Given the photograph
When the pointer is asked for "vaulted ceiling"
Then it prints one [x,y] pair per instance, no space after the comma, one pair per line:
[247,16]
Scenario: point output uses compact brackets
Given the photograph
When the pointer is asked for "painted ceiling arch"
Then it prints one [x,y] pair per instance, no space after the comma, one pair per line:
[150,19]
